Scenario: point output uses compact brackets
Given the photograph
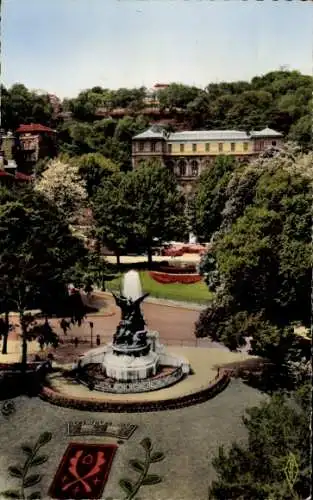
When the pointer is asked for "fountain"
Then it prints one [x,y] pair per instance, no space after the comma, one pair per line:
[135,361]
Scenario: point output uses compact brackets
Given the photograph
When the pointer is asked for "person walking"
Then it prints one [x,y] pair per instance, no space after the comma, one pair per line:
[65,325]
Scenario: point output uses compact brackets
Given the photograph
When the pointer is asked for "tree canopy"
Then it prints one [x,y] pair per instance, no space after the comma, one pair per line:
[63,186]
[276,461]
[279,99]
[94,168]
[260,261]
[36,250]
[136,208]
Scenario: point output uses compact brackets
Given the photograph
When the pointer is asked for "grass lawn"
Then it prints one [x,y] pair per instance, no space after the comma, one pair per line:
[195,292]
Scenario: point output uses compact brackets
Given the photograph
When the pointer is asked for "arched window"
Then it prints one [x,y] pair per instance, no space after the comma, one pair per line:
[170,166]
[194,168]
[182,168]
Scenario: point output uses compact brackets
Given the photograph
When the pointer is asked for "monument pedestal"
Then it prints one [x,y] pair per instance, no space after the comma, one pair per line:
[127,365]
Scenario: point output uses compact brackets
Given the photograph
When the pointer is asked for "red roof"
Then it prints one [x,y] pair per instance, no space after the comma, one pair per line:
[22,177]
[34,127]
[5,174]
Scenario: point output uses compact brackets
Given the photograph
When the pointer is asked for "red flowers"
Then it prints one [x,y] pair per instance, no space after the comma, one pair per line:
[166,278]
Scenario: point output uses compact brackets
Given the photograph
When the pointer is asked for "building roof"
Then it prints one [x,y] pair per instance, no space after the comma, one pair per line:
[266,132]
[33,127]
[152,133]
[23,177]
[3,173]
[208,135]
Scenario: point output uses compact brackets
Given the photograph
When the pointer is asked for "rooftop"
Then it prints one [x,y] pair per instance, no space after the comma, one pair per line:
[266,132]
[33,127]
[152,133]
[206,135]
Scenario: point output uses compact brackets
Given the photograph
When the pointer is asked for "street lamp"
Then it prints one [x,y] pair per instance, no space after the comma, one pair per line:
[91,330]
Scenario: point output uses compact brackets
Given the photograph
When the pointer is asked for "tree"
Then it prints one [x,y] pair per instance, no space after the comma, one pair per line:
[177,96]
[5,326]
[112,214]
[260,264]
[62,185]
[36,248]
[19,105]
[301,132]
[158,207]
[210,197]
[133,209]
[275,463]
[250,110]
[93,168]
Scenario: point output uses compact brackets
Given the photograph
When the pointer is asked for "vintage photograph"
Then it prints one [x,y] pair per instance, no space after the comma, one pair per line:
[156,173]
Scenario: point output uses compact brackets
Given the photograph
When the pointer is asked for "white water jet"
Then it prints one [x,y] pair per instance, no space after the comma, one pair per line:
[131,285]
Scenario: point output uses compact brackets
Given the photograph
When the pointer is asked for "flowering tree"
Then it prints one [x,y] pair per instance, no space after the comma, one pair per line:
[63,186]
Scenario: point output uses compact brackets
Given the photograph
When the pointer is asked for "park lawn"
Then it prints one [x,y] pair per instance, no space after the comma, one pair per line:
[195,292]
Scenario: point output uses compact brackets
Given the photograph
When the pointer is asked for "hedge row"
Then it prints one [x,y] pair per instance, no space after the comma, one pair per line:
[166,278]
[177,269]
[58,399]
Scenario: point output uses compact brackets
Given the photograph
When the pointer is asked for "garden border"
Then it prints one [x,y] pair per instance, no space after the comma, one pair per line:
[220,383]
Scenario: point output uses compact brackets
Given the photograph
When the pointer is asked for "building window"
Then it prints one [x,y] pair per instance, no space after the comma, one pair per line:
[182,168]
[245,146]
[182,147]
[152,147]
[233,147]
[207,147]
[170,166]
[220,147]
[141,146]
[194,168]
[169,148]
[273,143]
[194,148]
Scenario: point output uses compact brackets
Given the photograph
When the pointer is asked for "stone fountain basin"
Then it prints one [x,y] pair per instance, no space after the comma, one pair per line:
[130,374]
[130,368]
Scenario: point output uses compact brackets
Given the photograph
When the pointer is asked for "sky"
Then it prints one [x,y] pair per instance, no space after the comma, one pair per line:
[66,46]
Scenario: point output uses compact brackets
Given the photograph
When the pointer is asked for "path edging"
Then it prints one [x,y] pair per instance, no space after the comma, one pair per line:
[57,398]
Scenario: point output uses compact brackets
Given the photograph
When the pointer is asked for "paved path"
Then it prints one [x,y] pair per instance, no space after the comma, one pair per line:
[172,323]
[175,326]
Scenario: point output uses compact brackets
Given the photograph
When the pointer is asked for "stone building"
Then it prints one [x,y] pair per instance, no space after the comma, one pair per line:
[188,153]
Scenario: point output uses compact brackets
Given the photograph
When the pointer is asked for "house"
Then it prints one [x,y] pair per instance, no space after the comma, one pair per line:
[188,153]
[35,141]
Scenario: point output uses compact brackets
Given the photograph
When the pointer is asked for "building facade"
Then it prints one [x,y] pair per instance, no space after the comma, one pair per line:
[35,142]
[188,153]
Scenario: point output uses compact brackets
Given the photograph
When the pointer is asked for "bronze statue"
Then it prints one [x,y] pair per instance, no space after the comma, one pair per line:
[131,329]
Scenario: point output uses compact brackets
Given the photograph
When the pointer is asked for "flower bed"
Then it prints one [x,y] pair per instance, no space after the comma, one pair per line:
[166,278]
[186,269]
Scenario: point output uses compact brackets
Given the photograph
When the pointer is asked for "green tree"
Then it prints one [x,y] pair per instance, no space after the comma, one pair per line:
[156,204]
[210,196]
[260,261]
[19,105]
[275,464]
[177,96]
[301,132]
[93,168]
[36,248]
[112,214]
